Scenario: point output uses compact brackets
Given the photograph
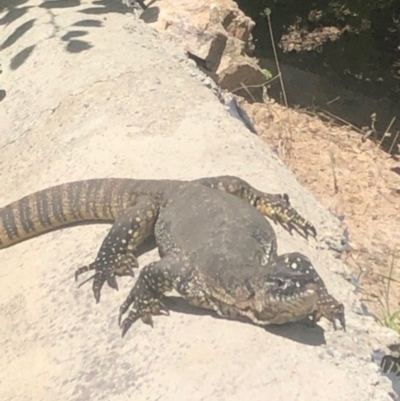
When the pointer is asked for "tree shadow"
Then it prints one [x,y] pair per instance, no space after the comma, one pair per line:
[17,34]
[105,7]
[56,4]
[150,14]
[21,57]
[88,23]
[13,10]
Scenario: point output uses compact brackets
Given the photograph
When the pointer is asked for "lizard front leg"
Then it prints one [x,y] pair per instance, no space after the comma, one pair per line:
[116,255]
[275,206]
[147,295]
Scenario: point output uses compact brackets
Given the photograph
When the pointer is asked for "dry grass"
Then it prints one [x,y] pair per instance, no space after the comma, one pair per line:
[352,177]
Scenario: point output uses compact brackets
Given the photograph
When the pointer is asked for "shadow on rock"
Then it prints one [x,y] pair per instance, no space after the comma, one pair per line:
[105,7]
[77,46]
[54,4]
[21,57]
[299,332]
[13,10]
[150,15]
[18,33]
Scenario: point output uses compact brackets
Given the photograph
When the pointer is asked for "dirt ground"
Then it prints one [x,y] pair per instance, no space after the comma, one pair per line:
[354,179]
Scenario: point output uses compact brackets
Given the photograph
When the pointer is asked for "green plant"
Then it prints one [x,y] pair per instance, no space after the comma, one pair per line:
[267,73]
[390,319]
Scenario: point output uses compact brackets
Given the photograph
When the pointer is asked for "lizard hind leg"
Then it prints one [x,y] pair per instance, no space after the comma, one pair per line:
[116,256]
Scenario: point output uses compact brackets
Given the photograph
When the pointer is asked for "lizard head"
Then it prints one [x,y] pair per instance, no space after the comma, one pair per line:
[293,290]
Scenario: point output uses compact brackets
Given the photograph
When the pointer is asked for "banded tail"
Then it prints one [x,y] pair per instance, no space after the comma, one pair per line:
[96,200]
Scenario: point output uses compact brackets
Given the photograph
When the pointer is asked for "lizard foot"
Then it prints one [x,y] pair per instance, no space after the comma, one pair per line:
[333,312]
[144,304]
[391,364]
[278,209]
[106,268]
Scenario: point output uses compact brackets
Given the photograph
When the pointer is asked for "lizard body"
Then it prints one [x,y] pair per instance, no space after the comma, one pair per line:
[216,249]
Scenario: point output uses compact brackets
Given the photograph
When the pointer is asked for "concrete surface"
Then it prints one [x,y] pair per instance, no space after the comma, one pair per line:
[128,104]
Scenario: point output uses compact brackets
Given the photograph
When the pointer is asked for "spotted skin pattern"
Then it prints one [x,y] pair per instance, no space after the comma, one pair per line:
[103,200]
[113,200]
[275,206]
[390,363]
[216,248]
[240,274]
[146,297]
[291,277]
[327,305]
[116,255]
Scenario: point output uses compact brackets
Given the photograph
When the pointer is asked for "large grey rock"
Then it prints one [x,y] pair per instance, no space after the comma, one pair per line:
[98,95]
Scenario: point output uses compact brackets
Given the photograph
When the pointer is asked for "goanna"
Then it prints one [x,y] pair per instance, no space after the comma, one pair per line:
[216,250]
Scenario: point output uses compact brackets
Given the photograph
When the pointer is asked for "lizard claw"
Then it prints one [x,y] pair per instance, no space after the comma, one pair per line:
[126,324]
[279,210]
[143,308]
[118,265]
[98,283]
[111,281]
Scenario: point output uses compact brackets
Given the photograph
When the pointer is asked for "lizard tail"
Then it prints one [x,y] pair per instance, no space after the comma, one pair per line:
[96,200]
